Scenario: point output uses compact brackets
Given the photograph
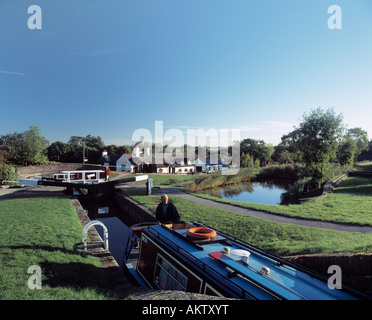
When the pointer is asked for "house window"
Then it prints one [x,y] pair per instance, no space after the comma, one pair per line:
[167,277]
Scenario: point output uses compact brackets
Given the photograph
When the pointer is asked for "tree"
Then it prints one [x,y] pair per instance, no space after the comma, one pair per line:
[59,151]
[35,146]
[26,148]
[284,157]
[91,147]
[319,135]
[118,150]
[258,149]
[13,145]
[289,148]
[346,151]
[246,160]
[361,139]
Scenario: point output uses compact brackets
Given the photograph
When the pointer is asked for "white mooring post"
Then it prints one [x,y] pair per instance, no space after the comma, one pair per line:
[105,233]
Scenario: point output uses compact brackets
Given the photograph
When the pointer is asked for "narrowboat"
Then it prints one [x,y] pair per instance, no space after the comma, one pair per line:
[194,257]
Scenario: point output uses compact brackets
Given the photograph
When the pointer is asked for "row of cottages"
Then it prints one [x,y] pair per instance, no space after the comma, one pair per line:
[125,163]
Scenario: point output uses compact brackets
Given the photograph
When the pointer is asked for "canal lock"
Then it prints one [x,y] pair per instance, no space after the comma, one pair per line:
[112,216]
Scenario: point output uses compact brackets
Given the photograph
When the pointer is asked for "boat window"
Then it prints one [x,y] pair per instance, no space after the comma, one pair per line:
[167,276]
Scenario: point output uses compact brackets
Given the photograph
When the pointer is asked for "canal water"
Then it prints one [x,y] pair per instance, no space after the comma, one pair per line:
[268,192]
[112,217]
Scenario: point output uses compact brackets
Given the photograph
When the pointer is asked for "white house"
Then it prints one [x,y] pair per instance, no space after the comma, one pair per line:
[125,163]
[206,166]
[184,167]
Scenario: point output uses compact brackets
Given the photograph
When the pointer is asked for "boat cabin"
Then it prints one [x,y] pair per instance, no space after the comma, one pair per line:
[195,258]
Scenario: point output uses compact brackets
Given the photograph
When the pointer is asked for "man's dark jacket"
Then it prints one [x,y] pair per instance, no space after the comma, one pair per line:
[170,215]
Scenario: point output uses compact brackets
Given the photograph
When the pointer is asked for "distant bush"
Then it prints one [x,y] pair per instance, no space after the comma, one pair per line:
[7,171]
[308,187]
[215,180]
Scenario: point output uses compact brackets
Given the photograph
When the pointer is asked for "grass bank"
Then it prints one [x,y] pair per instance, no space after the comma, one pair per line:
[351,203]
[45,231]
[280,238]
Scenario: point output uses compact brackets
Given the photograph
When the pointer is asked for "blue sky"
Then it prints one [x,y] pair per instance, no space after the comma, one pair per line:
[107,68]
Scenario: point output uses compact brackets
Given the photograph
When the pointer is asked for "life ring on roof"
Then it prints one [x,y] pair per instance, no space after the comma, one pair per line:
[201,233]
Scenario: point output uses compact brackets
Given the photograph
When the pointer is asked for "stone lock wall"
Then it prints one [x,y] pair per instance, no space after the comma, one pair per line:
[356,268]
[134,211]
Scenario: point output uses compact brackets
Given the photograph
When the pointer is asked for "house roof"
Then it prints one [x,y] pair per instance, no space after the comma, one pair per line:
[109,159]
[112,159]
[208,161]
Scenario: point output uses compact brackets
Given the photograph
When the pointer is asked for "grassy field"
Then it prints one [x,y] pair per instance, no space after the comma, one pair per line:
[45,231]
[280,238]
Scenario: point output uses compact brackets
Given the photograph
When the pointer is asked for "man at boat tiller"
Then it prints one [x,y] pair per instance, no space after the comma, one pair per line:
[166,211]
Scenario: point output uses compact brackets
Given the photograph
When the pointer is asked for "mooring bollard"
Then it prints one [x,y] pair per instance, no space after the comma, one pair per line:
[149,186]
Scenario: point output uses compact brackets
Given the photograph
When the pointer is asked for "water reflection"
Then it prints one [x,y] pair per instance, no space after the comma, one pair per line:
[268,192]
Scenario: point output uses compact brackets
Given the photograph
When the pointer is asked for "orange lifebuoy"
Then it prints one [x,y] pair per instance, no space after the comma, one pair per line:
[201,233]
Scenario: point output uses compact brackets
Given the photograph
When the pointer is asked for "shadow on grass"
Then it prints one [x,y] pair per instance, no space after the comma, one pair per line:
[79,276]
[356,186]
[107,282]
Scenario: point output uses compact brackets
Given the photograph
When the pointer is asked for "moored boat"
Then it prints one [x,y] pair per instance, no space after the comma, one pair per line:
[193,257]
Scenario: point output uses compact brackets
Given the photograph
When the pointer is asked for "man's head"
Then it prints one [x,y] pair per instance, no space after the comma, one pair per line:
[164,199]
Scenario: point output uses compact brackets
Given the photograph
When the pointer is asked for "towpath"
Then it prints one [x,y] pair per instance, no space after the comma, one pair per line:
[262,214]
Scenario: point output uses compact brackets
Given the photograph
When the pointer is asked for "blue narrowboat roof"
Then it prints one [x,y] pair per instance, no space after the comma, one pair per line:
[285,280]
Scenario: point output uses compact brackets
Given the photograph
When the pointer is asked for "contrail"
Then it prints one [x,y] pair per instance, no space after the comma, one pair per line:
[13,73]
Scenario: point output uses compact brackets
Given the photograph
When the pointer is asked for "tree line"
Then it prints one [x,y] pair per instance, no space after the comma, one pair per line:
[321,138]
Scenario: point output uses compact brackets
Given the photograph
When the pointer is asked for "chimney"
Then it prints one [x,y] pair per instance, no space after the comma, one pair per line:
[136,151]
